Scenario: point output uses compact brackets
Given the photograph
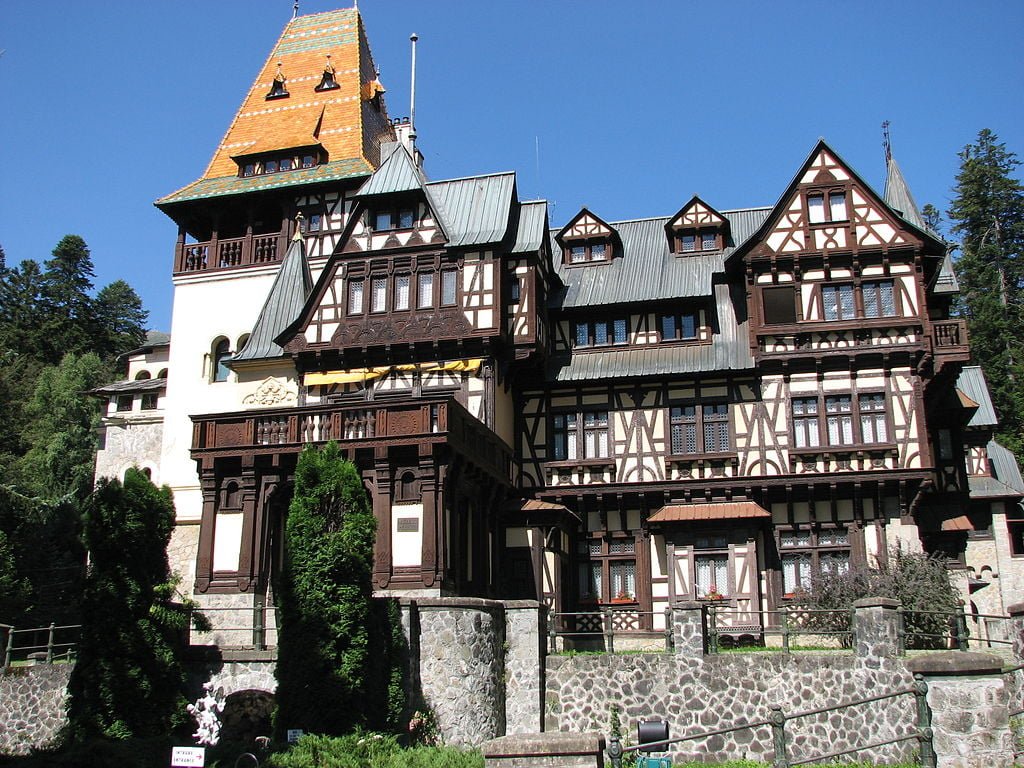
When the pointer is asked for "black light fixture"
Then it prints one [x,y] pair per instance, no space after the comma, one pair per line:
[652,735]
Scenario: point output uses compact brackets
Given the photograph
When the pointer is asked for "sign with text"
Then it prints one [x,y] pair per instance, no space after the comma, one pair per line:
[188,757]
[294,734]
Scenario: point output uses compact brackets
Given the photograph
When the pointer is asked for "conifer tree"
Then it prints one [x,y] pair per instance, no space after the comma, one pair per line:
[69,320]
[325,599]
[987,213]
[120,320]
[128,679]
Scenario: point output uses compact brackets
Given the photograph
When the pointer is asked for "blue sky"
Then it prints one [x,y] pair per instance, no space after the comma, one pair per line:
[630,108]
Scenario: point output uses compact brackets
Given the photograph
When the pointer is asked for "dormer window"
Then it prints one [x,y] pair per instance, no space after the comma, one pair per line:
[695,241]
[584,253]
[277,163]
[327,81]
[697,228]
[277,88]
[824,207]
[388,219]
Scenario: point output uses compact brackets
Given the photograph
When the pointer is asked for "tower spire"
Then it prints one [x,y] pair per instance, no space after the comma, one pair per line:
[295,9]
[886,144]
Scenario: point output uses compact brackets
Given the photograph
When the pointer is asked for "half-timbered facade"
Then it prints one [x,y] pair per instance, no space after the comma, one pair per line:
[714,404]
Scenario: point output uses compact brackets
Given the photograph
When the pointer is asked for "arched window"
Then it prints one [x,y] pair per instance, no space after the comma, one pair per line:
[162,374]
[142,375]
[221,351]
[242,341]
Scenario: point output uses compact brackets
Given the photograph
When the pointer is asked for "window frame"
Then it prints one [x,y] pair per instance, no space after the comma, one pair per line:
[678,325]
[698,422]
[592,328]
[777,290]
[829,438]
[588,249]
[597,553]
[811,552]
[826,195]
[395,215]
[219,351]
[575,439]
[682,235]
[713,546]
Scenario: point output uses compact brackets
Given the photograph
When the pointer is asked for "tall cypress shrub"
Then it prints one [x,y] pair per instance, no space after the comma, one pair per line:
[128,680]
[325,604]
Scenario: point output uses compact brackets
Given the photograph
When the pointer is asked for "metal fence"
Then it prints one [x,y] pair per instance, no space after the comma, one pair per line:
[606,629]
[39,644]
[778,719]
[249,627]
[786,623]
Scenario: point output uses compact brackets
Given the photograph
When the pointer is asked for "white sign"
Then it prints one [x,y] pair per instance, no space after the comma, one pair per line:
[188,757]
[294,734]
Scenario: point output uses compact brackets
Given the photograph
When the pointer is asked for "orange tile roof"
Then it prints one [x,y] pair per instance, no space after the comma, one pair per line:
[342,120]
[731,510]
[961,523]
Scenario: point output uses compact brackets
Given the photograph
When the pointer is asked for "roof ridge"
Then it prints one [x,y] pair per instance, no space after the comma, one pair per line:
[468,178]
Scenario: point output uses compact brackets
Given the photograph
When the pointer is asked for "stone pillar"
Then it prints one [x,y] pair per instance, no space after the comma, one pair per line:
[1016,612]
[970,710]
[876,629]
[461,666]
[524,666]
[689,629]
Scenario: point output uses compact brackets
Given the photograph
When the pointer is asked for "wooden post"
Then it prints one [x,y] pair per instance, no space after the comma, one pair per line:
[10,647]
[49,645]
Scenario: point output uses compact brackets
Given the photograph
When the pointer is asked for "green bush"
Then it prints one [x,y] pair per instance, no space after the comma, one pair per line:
[369,750]
[919,582]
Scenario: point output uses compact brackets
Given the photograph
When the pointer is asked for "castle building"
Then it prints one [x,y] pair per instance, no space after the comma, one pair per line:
[713,404]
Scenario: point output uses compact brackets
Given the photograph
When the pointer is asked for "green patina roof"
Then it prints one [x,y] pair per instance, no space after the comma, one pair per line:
[237,185]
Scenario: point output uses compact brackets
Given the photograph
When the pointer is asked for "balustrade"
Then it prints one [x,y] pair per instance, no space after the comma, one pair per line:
[229,253]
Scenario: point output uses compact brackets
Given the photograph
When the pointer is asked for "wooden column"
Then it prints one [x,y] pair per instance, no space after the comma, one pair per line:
[382,512]
[428,496]
[246,555]
[204,557]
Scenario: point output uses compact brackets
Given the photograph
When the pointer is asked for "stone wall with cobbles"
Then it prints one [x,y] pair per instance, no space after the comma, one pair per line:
[32,706]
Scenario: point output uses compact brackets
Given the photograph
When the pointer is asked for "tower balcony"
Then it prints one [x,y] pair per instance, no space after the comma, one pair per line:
[229,253]
[949,342]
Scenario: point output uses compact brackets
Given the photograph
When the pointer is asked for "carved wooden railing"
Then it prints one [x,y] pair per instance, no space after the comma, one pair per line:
[949,334]
[229,253]
[408,422]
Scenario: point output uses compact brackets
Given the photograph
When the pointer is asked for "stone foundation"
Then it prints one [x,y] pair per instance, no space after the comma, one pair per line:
[32,701]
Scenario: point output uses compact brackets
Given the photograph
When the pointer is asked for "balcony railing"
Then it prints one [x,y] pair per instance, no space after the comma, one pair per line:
[950,336]
[410,422]
[229,253]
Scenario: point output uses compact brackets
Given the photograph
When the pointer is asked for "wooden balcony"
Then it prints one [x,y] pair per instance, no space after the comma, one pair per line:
[366,425]
[229,253]
[949,341]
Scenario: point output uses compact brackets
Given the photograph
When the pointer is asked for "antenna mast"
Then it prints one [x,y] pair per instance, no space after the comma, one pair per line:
[885,143]
[412,96]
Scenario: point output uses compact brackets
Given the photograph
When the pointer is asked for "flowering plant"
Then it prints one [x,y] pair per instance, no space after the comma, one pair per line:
[713,593]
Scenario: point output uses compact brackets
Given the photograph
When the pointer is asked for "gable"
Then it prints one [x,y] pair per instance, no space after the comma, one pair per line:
[696,213]
[585,225]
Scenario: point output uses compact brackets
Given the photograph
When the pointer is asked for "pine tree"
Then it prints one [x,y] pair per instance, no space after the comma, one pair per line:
[987,213]
[69,320]
[120,320]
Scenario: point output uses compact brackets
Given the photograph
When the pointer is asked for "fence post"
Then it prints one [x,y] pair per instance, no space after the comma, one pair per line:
[778,721]
[49,645]
[552,632]
[615,752]
[924,722]
[712,629]
[784,614]
[668,629]
[10,647]
[962,633]
[901,633]
[259,641]
[609,630]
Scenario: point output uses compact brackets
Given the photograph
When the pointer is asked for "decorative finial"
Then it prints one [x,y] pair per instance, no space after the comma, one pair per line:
[277,87]
[328,67]
[295,9]
[299,218]
[886,145]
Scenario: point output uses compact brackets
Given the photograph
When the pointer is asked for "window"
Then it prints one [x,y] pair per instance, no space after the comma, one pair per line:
[582,253]
[779,304]
[402,291]
[379,294]
[806,432]
[873,425]
[839,419]
[285,164]
[124,403]
[878,299]
[806,553]
[162,374]
[327,81]
[819,213]
[221,352]
[355,297]
[692,241]
[700,429]
[870,426]
[149,401]
[600,333]
[142,375]
[308,161]
[270,166]
[608,575]
[679,326]
[570,431]
[402,218]
[1015,529]
[312,221]
[711,566]
[837,302]
[425,290]
[448,287]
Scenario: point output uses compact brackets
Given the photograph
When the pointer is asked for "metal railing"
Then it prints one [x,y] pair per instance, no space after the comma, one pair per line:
[786,623]
[777,720]
[39,644]
[250,627]
[600,627]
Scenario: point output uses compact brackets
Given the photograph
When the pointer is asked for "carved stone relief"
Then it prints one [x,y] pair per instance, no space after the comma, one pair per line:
[271,391]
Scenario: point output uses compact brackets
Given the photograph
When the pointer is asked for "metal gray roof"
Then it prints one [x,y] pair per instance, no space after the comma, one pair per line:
[729,350]
[897,196]
[945,281]
[398,173]
[284,303]
[474,210]
[1005,467]
[130,386]
[647,270]
[972,383]
[532,227]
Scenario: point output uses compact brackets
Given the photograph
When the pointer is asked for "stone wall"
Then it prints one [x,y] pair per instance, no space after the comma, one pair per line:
[32,701]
